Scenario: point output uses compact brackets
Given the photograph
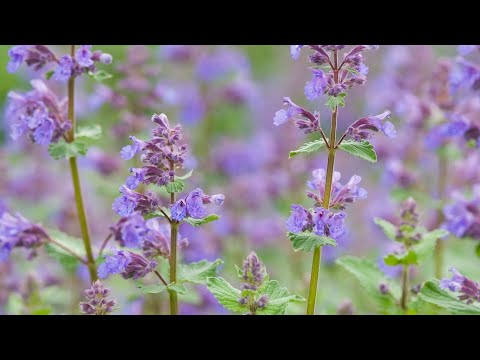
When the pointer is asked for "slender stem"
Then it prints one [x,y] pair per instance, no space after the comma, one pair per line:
[405,287]
[71,252]
[324,138]
[82,217]
[173,255]
[340,141]
[317,253]
[166,215]
[160,277]
[104,244]
[442,184]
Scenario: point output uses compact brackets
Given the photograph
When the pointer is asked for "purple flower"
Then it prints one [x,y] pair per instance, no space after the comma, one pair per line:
[16,231]
[64,70]
[43,133]
[317,86]
[127,264]
[329,224]
[131,201]
[300,219]
[466,49]
[124,206]
[464,74]
[364,128]
[106,59]
[97,302]
[129,151]
[469,290]
[309,123]
[295,51]
[84,56]
[136,178]
[341,195]
[213,67]
[462,218]
[157,239]
[17,55]
[179,210]
[195,207]
[440,134]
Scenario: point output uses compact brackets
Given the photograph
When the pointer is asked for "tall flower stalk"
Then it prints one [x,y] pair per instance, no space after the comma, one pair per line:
[324,224]
[82,215]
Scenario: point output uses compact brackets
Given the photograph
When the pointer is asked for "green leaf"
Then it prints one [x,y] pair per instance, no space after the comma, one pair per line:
[308,148]
[198,222]
[370,278]
[184,177]
[175,186]
[477,250]
[363,149]
[334,101]
[308,241]
[432,293]
[64,257]
[239,271]
[278,299]
[178,288]
[226,294]
[388,228]
[84,138]
[42,311]
[100,75]
[153,289]
[49,74]
[88,134]
[198,272]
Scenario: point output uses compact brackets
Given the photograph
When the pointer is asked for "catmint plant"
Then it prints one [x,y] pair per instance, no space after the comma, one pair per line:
[162,157]
[413,245]
[332,76]
[258,295]
[97,300]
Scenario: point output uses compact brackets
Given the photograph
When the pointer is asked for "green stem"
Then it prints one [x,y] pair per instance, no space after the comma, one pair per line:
[173,256]
[317,253]
[405,289]
[82,217]
[442,185]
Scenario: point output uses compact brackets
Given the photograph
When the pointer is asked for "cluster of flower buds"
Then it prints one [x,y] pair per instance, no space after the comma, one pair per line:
[254,274]
[131,201]
[365,128]
[339,77]
[97,300]
[307,122]
[16,231]
[38,56]
[127,264]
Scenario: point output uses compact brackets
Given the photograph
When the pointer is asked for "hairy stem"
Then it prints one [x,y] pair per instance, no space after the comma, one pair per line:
[317,253]
[442,184]
[405,289]
[173,256]
[82,216]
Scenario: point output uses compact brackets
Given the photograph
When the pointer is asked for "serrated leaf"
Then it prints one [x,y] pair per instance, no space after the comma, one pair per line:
[334,101]
[198,272]
[184,177]
[307,241]
[178,288]
[175,186]
[308,148]
[153,289]
[64,257]
[388,228]
[49,74]
[370,278]
[100,75]
[198,222]
[278,299]
[63,149]
[226,294]
[432,293]
[363,149]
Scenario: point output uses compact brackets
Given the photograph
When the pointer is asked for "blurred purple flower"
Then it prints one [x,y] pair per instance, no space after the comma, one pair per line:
[462,218]
[84,56]
[469,290]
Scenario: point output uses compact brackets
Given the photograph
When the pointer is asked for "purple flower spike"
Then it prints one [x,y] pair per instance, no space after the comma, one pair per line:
[329,224]
[127,264]
[64,70]
[84,56]
[97,302]
[254,272]
[317,86]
